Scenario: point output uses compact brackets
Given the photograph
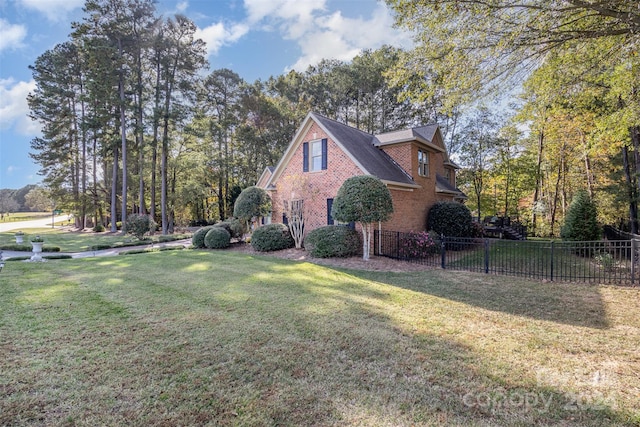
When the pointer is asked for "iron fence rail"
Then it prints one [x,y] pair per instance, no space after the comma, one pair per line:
[590,262]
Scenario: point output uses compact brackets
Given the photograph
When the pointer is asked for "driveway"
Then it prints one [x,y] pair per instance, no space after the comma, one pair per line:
[36,223]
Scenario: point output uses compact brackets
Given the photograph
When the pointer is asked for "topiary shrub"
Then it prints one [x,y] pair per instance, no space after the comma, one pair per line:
[98,228]
[253,202]
[333,241]
[364,199]
[234,226]
[217,238]
[452,219]
[581,223]
[272,237]
[139,225]
[197,240]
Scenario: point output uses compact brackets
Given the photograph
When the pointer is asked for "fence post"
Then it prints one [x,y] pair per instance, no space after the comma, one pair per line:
[633,261]
[398,244]
[443,252]
[486,256]
[551,278]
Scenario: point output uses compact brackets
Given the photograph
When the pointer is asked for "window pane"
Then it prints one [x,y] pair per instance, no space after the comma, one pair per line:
[316,148]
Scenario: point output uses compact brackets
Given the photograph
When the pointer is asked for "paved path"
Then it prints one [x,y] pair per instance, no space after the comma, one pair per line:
[36,223]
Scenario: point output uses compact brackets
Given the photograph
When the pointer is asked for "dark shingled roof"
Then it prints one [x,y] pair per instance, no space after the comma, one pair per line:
[361,146]
[444,186]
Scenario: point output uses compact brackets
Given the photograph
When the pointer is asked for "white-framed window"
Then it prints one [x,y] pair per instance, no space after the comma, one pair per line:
[451,176]
[316,155]
[423,163]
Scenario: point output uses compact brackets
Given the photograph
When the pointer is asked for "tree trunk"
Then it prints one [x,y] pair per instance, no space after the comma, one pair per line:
[123,136]
[114,190]
[536,193]
[631,191]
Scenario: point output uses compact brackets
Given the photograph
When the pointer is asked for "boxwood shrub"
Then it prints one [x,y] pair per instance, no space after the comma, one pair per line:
[333,241]
[234,226]
[198,237]
[452,219]
[272,237]
[217,238]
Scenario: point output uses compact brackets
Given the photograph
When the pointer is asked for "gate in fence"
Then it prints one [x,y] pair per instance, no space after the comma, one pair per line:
[609,261]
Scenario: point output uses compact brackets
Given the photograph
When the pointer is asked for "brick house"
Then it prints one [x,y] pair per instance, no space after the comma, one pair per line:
[413,163]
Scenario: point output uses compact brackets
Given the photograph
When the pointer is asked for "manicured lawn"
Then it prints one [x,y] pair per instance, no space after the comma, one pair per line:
[222,338]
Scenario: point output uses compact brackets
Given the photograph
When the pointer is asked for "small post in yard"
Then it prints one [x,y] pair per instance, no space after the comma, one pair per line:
[486,256]
[443,253]
[551,278]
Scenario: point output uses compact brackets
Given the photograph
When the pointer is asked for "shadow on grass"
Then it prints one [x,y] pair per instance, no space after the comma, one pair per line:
[571,304]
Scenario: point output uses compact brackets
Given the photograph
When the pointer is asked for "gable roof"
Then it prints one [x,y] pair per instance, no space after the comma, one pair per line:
[424,134]
[361,147]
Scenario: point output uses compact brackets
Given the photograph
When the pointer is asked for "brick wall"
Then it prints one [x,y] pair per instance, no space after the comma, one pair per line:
[410,207]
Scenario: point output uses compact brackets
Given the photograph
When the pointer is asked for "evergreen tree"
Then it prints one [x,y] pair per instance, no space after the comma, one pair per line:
[581,221]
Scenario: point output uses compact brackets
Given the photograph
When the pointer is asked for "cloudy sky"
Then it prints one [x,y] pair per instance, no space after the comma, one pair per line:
[255,38]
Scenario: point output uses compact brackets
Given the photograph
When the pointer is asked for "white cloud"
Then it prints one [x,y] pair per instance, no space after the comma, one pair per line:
[182,6]
[293,17]
[14,108]
[11,169]
[11,35]
[217,35]
[334,36]
[54,10]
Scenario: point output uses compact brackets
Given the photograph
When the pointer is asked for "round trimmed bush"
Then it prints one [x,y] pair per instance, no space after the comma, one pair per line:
[197,240]
[98,228]
[234,226]
[333,241]
[452,219]
[217,238]
[272,237]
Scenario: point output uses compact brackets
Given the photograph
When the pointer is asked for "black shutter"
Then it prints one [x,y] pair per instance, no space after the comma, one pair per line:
[285,220]
[305,157]
[329,206]
[324,154]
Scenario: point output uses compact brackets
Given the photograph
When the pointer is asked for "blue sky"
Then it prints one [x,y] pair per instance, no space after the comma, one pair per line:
[255,38]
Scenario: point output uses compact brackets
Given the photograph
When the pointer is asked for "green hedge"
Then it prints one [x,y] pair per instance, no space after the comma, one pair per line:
[272,237]
[333,241]
[27,248]
[217,238]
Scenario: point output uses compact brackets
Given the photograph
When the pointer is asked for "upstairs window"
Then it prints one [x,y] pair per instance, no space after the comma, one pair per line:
[423,163]
[314,155]
[451,176]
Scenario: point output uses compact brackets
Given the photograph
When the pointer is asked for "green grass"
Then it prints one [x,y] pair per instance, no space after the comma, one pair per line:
[222,338]
[77,241]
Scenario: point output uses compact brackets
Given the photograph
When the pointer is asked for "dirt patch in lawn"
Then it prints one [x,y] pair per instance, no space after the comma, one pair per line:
[375,263]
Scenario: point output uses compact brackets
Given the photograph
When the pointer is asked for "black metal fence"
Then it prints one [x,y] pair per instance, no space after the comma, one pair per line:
[607,261]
